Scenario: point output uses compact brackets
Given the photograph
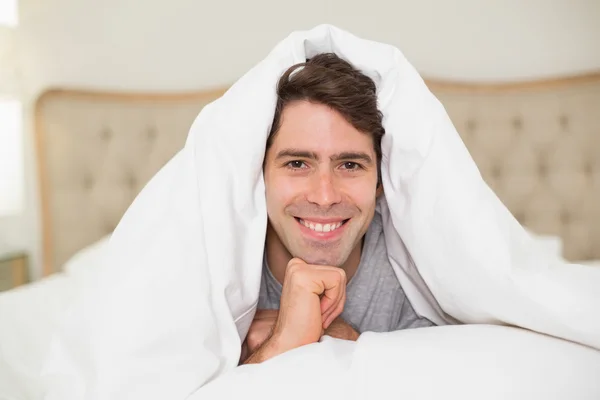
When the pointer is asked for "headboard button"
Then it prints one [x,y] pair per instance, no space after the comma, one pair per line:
[563,120]
[565,217]
[517,123]
[542,170]
[496,171]
[131,182]
[587,168]
[88,182]
[106,134]
[471,125]
[151,133]
[109,228]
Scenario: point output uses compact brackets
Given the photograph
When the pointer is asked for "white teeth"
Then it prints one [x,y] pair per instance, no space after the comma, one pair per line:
[321,227]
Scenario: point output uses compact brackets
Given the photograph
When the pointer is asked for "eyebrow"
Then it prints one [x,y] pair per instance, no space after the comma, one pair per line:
[346,155]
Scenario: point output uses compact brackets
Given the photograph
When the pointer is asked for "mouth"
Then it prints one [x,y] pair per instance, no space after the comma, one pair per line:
[322,229]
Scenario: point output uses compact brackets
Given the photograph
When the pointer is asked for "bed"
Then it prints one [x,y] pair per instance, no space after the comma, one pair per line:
[537,144]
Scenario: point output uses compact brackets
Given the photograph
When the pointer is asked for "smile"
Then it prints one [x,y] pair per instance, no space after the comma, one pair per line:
[324,227]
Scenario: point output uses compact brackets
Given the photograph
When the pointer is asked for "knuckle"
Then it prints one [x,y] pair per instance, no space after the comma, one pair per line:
[251,339]
[294,269]
[256,337]
[297,273]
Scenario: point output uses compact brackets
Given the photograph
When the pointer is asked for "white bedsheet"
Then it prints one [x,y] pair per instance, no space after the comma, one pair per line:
[165,315]
[31,315]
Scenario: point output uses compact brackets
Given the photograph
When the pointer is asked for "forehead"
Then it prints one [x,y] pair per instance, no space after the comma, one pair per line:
[317,127]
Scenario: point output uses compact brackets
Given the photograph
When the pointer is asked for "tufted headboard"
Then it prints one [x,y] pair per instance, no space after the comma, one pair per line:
[96,151]
[537,144]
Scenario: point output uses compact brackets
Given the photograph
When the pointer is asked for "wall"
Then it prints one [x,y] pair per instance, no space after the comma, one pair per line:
[191,44]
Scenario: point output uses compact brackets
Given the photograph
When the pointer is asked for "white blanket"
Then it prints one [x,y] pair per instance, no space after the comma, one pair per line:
[452,362]
[167,313]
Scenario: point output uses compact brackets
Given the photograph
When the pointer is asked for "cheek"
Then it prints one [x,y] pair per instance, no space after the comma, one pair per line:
[362,192]
[281,191]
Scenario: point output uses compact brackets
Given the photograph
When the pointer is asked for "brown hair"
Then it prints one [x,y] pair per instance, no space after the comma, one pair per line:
[327,79]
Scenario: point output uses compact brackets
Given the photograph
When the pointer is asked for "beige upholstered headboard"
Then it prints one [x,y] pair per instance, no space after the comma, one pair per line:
[96,151]
[537,144]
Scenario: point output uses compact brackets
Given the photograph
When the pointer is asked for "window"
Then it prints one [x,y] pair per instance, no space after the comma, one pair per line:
[9,15]
[11,120]
[11,157]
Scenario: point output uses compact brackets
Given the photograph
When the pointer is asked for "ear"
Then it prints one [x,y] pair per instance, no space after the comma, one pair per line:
[379,190]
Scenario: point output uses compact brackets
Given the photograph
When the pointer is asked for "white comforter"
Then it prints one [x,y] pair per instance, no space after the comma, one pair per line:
[164,316]
[471,360]
[450,362]
[31,315]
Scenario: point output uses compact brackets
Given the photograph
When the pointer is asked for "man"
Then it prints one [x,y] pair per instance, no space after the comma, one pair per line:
[325,269]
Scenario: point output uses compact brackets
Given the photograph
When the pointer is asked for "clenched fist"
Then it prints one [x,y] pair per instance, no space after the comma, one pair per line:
[312,297]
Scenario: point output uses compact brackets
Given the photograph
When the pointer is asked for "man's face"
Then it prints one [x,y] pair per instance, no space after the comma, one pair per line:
[320,177]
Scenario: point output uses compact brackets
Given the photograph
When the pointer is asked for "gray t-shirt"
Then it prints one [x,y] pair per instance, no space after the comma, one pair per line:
[375,300]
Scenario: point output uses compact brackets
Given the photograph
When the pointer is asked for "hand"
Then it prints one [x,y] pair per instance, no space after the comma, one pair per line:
[312,297]
[260,329]
[340,329]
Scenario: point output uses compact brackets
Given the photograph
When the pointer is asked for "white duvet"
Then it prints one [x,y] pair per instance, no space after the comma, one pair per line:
[164,317]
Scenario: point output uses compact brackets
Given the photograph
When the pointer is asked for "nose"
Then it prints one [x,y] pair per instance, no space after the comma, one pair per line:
[324,190]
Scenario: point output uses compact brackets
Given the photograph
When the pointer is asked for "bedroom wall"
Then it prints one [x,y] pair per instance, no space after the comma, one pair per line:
[191,44]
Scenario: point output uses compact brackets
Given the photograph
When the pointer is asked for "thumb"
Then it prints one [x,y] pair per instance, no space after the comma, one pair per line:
[294,261]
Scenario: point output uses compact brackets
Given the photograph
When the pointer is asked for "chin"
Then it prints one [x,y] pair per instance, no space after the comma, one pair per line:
[321,259]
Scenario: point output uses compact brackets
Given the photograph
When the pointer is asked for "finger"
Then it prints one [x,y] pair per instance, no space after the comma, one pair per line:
[260,333]
[259,341]
[335,310]
[295,261]
[320,280]
[329,300]
[329,283]
[332,295]
[328,304]
[334,284]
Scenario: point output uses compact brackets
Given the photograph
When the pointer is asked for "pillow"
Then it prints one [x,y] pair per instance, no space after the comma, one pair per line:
[34,313]
[87,259]
[549,244]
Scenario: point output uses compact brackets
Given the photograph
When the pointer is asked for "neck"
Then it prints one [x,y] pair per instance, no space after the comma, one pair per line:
[278,257]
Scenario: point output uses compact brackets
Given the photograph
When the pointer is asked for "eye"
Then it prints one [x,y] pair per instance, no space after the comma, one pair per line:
[296,164]
[351,166]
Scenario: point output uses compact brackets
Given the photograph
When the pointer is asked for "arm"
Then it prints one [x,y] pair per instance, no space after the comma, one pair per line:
[266,350]
[312,298]
[270,348]
[340,329]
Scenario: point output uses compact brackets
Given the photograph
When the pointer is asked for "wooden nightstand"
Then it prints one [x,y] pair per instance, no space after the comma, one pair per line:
[13,269]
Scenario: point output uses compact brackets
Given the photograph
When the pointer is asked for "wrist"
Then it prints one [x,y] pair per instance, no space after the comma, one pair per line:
[278,343]
[270,348]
